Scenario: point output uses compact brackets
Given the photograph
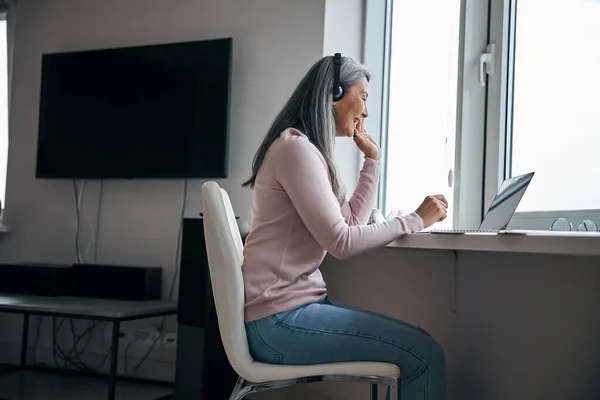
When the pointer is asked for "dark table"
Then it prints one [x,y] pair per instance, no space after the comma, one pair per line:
[115,311]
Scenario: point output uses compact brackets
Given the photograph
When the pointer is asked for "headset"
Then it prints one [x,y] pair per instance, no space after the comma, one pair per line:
[338,91]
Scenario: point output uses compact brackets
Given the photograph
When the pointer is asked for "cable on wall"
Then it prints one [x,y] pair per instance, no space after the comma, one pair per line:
[98,214]
[77,250]
[73,357]
[171,289]
[454,295]
[179,238]
[81,205]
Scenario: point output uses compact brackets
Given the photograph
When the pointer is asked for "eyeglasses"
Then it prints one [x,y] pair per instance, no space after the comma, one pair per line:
[563,224]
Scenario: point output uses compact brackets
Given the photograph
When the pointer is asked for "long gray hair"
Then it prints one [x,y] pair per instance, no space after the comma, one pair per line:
[310,110]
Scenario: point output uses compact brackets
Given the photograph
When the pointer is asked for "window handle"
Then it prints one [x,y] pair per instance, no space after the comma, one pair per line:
[486,63]
[450,178]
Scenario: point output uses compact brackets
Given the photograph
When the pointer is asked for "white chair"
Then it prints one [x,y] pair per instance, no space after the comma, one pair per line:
[224,249]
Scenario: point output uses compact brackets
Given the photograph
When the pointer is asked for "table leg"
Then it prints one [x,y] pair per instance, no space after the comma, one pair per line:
[114,354]
[24,339]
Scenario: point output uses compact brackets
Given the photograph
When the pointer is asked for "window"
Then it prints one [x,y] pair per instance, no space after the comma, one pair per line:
[556,122]
[547,95]
[421,118]
[3,109]
[535,106]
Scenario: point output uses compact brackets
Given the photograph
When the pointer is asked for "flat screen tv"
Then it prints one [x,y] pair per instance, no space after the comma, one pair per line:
[157,111]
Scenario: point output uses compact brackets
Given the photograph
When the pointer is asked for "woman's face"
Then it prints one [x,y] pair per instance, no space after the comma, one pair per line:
[351,110]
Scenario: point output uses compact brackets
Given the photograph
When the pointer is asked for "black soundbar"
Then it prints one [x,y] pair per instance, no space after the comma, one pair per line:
[117,282]
[42,279]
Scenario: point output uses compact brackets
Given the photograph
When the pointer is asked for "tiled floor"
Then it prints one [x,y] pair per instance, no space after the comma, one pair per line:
[32,385]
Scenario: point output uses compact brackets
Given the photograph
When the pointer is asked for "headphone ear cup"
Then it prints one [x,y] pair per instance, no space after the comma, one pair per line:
[338,94]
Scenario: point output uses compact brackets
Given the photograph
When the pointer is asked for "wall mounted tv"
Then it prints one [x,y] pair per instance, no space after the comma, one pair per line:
[157,111]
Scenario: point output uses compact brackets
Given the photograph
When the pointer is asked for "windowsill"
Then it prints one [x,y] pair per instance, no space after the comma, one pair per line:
[540,242]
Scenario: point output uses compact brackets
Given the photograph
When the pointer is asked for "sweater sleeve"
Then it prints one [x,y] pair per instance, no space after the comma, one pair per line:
[304,176]
[357,210]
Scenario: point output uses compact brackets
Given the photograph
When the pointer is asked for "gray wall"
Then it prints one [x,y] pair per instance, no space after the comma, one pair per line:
[274,44]
[525,327]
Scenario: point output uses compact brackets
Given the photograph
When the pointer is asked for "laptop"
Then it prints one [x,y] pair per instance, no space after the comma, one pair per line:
[502,209]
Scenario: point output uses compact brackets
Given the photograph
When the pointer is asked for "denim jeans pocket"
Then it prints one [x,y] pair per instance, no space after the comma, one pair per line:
[259,349]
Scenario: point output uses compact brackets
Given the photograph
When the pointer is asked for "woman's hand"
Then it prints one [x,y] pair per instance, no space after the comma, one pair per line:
[365,142]
[433,209]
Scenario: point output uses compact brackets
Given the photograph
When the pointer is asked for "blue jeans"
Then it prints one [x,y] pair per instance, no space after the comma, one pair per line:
[325,332]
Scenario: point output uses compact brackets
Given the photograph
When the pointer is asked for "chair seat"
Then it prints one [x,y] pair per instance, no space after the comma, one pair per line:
[260,372]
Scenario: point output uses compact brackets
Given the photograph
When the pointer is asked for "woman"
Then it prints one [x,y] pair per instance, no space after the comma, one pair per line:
[300,212]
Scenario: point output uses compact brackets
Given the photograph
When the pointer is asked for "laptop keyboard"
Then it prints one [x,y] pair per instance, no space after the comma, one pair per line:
[464,231]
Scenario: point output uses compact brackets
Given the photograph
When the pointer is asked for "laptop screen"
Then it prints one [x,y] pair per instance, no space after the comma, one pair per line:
[505,203]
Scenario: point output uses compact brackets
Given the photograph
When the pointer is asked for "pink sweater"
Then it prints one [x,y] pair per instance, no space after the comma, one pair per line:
[296,219]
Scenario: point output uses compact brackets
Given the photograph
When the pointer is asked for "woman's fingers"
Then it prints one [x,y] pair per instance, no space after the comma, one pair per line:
[442,199]
[371,138]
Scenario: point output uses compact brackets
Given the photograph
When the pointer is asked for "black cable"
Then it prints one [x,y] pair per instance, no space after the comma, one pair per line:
[172,288]
[73,358]
[78,363]
[67,360]
[59,352]
[89,332]
[179,238]
[455,272]
[76,193]
[37,336]
[139,364]
[98,213]
[53,337]
[97,368]
[77,338]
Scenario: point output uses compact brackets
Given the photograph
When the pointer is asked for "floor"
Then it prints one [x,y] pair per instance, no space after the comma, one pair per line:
[33,385]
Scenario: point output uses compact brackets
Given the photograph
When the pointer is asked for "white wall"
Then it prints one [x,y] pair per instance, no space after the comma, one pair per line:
[274,44]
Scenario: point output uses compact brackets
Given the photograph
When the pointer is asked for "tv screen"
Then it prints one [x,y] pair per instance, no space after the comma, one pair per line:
[157,111]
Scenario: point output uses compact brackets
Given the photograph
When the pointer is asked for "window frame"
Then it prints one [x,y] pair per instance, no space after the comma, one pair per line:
[471,97]
[4,169]
[481,154]
[472,117]
[498,137]
[376,56]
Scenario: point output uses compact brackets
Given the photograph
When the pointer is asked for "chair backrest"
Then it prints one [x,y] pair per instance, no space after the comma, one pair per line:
[225,254]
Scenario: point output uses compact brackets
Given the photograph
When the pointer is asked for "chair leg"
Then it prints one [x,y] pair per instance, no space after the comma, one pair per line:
[242,388]
[395,391]
[374,393]
[235,393]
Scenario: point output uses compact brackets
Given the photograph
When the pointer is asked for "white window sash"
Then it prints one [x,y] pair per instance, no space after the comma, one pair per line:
[471,113]
[497,156]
